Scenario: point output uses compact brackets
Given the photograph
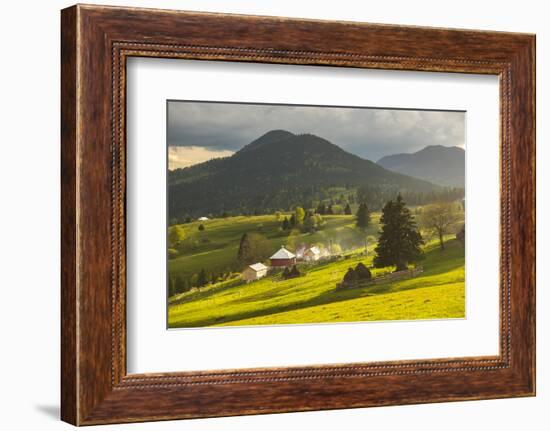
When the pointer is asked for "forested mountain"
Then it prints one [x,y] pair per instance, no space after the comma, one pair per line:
[440,165]
[278,171]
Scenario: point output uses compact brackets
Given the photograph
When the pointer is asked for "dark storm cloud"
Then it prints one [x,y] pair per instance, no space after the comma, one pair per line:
[369,133]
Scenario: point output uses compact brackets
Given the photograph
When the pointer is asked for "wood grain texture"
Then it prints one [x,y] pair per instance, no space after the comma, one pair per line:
[69,367]
[96,41]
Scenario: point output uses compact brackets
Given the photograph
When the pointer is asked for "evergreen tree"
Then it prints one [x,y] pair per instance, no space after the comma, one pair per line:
[363,216]
[286,224]
[321,208]
[202,280]
[180,285]
[347,210]
[461,234]
[171,286]
[244,255]
[292,221]
[399,242]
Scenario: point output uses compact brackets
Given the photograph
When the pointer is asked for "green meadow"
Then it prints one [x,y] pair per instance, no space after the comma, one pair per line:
[215,248]
[436,293]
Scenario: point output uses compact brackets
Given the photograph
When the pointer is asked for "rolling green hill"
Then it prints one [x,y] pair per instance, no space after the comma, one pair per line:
[215,248]
[436,293]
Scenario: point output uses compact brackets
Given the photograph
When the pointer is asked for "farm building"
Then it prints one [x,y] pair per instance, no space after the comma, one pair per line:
[312,254]
[203,219]
[283,258]
[254,272]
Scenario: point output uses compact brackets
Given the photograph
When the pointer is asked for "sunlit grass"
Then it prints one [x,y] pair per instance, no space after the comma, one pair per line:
[313,298]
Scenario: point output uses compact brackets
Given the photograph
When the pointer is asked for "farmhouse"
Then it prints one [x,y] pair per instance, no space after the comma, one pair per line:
[283,258]
[254,272]
[312,254]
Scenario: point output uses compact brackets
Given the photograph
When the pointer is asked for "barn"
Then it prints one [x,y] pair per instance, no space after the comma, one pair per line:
[312,254]
[254,272]
[283,258]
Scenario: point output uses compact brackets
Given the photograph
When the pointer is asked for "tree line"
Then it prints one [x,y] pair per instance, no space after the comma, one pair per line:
[323,200]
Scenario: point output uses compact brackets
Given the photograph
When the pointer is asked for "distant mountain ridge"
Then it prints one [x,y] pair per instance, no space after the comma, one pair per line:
[437,164]
[277,171]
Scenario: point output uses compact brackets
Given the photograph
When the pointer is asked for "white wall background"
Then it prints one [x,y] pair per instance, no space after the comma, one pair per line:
[29,215]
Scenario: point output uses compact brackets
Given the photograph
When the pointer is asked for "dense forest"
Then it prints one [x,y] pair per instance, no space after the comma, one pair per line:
[280,171]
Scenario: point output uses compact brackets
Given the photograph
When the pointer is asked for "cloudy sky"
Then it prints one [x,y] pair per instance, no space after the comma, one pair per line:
[200,131]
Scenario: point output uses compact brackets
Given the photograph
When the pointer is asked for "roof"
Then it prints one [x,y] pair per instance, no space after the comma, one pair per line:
[314,250]
[283,253]
[203,218]
[257,267]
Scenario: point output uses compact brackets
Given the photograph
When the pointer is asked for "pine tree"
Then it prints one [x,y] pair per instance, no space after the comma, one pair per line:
[292,221]
[180,285]
[347,210]
[286,224]
[171,286]
[202,280]
[399,242]
[244,254]
[461,234]
[320,208]
[363,216]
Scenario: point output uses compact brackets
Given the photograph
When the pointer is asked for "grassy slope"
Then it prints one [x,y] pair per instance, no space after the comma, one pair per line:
[436,293]
[219,253]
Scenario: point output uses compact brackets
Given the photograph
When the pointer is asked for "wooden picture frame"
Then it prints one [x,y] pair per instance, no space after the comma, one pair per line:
[95,43]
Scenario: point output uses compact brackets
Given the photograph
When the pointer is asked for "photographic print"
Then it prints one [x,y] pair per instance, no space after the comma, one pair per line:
[300,214]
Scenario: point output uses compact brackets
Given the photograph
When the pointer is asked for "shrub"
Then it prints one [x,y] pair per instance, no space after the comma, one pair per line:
[291,273]
[363,273]
[286,272]
[461,234]
[201,227]
[172,253]
[350,277]
[295,272]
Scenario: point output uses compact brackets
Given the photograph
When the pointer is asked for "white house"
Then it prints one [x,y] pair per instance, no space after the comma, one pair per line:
[312,254]
[300,252]
[203,219]
[254,272]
